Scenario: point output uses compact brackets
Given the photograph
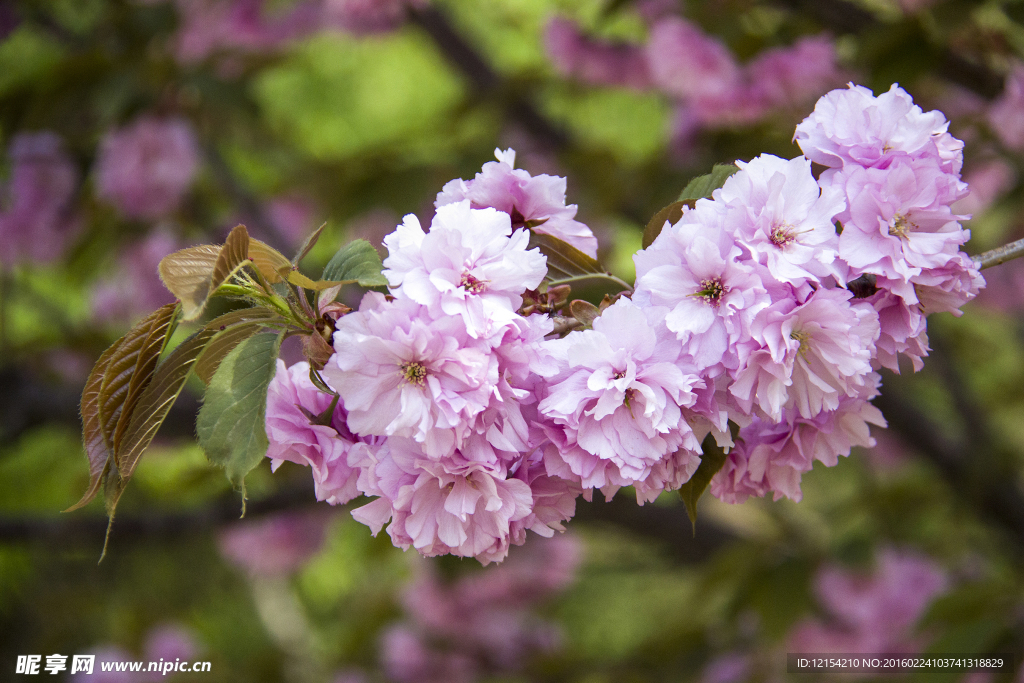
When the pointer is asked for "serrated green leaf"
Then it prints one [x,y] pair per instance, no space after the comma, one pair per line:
[711,461]
[232,422]
[222,344]
[358,262]
[702,186]
[671,213]
[160,394]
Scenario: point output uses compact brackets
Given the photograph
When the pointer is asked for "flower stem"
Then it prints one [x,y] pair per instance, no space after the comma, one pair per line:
[993,257]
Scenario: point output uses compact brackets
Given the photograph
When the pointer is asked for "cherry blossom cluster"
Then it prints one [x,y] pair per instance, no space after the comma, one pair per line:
[766,310]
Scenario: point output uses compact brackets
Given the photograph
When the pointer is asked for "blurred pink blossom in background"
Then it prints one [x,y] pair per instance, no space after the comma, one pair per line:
[273,545]
[869,613]
[483,622]
[145,168]
[36,218]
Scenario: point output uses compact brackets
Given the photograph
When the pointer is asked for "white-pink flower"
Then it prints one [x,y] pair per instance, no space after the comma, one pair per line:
[853,126]
[899,220]
[695,269]
[812,354]
[401,372]
[470,264]
[453,506]
[292,404]
[777,211]
[617,395]
[773,456]
[536,202]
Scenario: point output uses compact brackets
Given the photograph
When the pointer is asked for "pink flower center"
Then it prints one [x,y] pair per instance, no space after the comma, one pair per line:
[711,290]
[782,235]
[414,373]
[471,284]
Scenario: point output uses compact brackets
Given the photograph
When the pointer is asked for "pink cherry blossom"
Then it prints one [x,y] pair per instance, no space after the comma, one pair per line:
[772,457]
[146,167]
[688,63]
[273,546]
[899,222]
[778,212]
[812,354]
[293,403]
[789,76]
[874,612]
[1006,114]
[616,398]
[448,506]
[401,372]
[537,202]
[470,264]
[695,269]
[853,126]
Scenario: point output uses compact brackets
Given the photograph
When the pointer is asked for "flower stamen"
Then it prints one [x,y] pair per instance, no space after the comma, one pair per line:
[413,372]
[471,284]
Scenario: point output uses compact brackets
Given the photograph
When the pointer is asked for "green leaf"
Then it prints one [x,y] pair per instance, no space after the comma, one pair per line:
[702,186]
[671,213]
[222,344]
[232,422]
[160,394]
[357,261]
[711,461]
[565,262]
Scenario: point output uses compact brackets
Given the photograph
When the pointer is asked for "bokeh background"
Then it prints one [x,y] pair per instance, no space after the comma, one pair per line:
[131,128]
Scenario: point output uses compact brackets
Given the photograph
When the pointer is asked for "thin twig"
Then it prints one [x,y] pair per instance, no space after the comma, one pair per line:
[993,257]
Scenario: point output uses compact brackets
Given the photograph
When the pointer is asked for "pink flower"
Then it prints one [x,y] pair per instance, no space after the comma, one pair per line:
[899,223]
[902,329]
[1006,114]
[854,127]
[170,642]
[36,213]
[773,457]
[811,356]
[293,402]
[537,202]
[695,269]
[875,612]
[365,16]
[401,372]
[145,168]
[471,264]
[452,506]
[687,63]
[592,61]
[616,398]
[778,212]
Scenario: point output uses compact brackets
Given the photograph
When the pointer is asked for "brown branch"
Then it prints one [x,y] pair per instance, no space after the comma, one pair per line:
[484,79]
